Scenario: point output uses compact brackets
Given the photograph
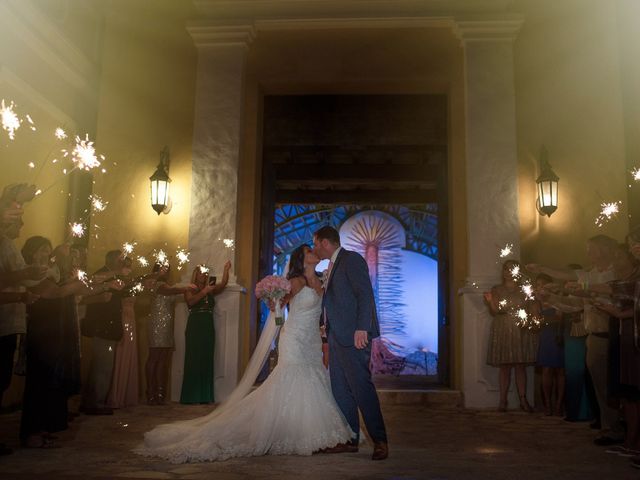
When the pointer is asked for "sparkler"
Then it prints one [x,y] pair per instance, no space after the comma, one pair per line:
[127,247]
[203,269]
[502,303]
[515,272]
[527,289]
[143,262]
[161,258]
[77,230]
[97,203]
[609,210]
[183,257]
[31,165]
[83,154]
[10,121]
[137,288]
[228,242]
[507,250]
[82,276]
[60,134]
[526,321]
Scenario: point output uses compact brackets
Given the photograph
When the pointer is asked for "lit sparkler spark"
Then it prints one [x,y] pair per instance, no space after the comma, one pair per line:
[507,250]
[502,303]
[31,165]
[143,262]
[228,242]
[60,133]
[82,276]
[527,289]
[127,247]
[609,210]
[183,257]
[97,203]
[10,121]
[137,288]
[515,272]
[31,124]
[203,269]
[84,154]
[77,229]
[161,258]
[38,192]
[525,321]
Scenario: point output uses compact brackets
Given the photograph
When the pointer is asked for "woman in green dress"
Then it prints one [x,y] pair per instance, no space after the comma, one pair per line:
[197,380]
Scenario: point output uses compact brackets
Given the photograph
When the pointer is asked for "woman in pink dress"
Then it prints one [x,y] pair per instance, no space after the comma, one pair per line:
[124,385]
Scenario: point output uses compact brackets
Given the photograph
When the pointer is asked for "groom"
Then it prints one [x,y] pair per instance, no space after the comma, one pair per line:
[349,314]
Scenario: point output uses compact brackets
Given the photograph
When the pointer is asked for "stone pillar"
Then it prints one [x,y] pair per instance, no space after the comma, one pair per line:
[492,188]
[217,133]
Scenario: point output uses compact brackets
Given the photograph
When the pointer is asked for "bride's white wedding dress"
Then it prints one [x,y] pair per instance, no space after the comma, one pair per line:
[292,413]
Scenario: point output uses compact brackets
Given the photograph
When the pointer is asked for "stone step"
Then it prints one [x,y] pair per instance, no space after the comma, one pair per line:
[435,398]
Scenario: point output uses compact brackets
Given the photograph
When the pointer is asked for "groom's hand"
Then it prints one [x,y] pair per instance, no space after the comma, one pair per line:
[360,339]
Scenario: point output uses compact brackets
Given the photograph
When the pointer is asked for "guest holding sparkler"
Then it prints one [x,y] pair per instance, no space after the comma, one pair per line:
[600,250]
[124,384]
[550,349]
[161,333]
[103,322]
[13,272]
[197,382]
[510,345]
[49,374]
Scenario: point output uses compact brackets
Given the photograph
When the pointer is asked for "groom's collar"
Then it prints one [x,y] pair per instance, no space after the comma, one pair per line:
[335,255]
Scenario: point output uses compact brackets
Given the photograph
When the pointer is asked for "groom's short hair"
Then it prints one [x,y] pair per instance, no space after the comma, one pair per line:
[328,233]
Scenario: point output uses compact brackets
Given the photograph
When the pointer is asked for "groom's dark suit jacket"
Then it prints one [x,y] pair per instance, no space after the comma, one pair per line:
[348,299]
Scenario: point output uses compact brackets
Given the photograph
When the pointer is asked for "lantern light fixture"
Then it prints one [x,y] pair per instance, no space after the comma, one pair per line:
[160,180]
[547,183]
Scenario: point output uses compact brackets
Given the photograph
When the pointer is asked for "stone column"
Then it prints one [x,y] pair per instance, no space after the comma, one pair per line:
[492,188]
[217,133]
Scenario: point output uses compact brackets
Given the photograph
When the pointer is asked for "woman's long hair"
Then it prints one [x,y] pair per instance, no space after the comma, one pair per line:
[296,262]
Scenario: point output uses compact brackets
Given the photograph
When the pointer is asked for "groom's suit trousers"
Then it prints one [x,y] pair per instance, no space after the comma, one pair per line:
[353,389]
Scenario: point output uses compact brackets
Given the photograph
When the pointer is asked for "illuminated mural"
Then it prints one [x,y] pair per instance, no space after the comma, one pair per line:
[399,244]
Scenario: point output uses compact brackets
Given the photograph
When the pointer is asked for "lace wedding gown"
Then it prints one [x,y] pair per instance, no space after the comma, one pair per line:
[292,413]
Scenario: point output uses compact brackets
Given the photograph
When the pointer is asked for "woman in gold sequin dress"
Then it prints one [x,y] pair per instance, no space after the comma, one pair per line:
[510,346]
[160,334]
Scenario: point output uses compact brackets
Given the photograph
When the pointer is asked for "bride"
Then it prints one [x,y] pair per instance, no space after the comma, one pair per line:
[292,413]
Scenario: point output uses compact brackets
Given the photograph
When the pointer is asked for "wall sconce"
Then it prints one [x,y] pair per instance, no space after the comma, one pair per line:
[547,201]
[160,180]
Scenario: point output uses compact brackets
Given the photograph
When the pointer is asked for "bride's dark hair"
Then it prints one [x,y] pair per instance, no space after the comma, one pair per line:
[296,262]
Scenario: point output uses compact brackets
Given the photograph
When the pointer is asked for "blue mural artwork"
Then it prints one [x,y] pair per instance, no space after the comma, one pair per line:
[399,244]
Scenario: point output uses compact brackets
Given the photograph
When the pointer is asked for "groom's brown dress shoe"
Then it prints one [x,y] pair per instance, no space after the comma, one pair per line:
[341,448]
[380,451]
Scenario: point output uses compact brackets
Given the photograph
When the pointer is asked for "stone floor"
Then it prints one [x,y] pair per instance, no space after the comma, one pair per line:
[425,443]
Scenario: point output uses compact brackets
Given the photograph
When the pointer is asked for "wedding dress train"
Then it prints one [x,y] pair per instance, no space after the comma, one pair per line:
[292,413]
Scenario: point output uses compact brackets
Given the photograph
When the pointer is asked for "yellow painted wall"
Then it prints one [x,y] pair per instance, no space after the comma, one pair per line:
[146,102]
[569,99]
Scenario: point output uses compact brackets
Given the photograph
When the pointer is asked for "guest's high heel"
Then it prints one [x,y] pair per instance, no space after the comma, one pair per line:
[524,405]
[151,399]
[160,398]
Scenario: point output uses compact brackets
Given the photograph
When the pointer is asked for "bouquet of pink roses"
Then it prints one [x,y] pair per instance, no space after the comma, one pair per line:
[274,288]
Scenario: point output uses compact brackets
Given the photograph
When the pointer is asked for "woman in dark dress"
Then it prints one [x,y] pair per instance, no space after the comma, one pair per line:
[52,372]
[197,381]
